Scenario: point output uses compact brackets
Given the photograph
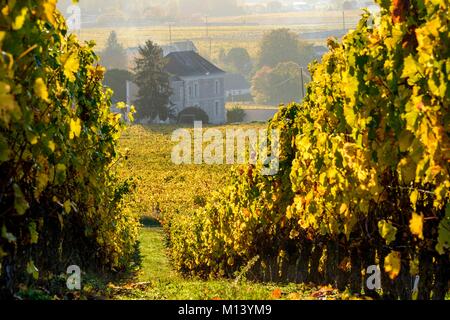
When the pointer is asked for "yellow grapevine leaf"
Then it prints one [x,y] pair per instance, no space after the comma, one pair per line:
[67,206]
[71,65]
[387,231]
[392,264]
[20,19]
[40,89]
[412,69]
[413,197]
[121,105]
[52,146]
[49,10]
[75,128]
[416,225]
[5,10]
[8,105]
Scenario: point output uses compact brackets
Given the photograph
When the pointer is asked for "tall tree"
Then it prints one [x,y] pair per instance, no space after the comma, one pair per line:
[239,60]
[114,55]
[280,85]
[283,45]
[153,82]
[117,80]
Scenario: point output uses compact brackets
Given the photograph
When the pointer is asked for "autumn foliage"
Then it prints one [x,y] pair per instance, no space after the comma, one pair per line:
[364,170]
[61,202]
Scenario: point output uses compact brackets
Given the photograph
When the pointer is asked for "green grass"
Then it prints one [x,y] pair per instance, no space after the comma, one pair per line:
[157,281]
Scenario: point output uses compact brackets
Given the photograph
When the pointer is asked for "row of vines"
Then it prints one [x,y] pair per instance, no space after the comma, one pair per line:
[364,171]
[61,202]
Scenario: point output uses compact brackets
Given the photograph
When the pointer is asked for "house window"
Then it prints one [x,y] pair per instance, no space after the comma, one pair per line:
[196,90]
[217,108]
[190,92]
[217,87]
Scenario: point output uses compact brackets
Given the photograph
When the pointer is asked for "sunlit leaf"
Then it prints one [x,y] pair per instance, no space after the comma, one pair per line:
[392,264]
[40,89]
[75,128]
[20,19]
[416,225]
[387,231]
[71,65]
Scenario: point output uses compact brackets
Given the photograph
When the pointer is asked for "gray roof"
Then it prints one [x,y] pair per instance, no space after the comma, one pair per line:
[189,63]
[179,46]
[235,81]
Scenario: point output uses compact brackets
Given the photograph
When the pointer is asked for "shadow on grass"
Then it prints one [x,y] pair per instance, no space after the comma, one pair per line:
[150,222]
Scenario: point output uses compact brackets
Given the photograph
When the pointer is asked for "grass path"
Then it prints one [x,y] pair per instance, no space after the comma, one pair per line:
[157,281]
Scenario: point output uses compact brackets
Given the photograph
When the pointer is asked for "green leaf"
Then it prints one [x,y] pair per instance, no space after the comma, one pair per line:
[67,206]
[32,270]
[7,235]
[20,203]
[8,105]
[387,231]
[34,235]
[406,138]
[60,173]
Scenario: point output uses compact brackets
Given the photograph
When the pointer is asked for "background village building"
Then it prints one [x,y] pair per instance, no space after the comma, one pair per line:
[237,88]
[196,82]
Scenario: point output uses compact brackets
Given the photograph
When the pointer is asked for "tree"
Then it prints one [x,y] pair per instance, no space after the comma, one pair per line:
[235,115]
[282,45]
[239,60]
[114,55]
[191,114]
[153,83]
[280,85]
[117,80]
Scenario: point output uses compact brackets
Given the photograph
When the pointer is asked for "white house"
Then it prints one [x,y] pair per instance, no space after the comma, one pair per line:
[196,82]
